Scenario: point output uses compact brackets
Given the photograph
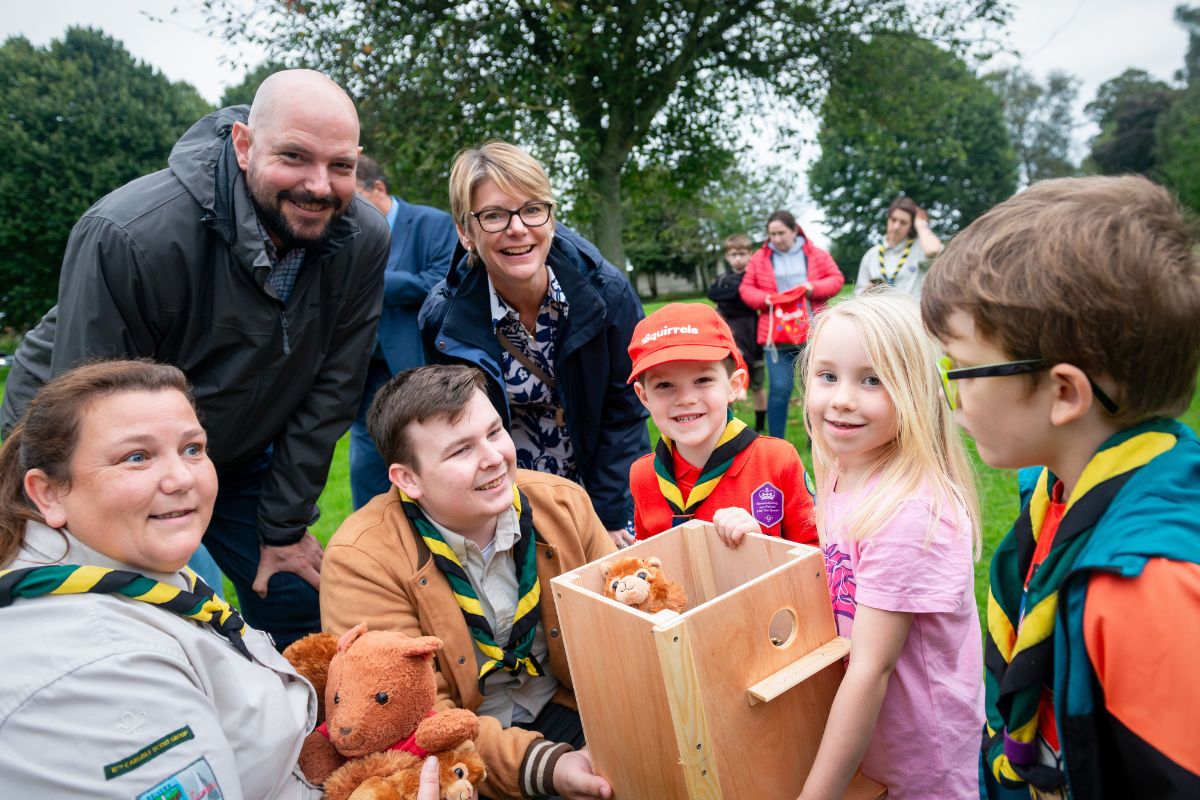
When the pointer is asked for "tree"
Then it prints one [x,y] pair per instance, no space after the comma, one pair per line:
[81,117]
[1177,131]
[590,87]
[242,93]
[904,116]
[1188,18]
[1040,121]
[676,225]
[1127,109]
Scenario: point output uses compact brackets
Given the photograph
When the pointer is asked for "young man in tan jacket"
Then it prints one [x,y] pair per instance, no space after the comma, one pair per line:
[464,548]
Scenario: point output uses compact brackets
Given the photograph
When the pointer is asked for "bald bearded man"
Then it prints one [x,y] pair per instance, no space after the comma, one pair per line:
[249,264]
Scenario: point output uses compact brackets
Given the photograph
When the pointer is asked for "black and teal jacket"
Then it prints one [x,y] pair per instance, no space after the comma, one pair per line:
[1154,514]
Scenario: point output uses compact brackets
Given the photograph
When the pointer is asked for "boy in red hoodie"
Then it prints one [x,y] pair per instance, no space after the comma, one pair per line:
[708,465]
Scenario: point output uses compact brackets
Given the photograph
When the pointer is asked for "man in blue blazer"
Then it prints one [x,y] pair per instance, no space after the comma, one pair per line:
[423,240]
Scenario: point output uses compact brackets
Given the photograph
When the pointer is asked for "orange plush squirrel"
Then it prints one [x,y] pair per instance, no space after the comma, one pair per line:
[641,584]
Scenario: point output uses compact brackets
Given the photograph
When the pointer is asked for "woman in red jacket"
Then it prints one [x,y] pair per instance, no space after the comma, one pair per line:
[788,266]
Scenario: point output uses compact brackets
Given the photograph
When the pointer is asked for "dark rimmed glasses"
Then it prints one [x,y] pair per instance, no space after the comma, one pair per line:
[949,373]
[533,215]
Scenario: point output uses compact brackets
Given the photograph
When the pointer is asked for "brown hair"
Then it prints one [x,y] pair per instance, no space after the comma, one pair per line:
[367,172]
[739,241]
[908,206]
[1096,272]
[416,395]
[48,432]
[783,216]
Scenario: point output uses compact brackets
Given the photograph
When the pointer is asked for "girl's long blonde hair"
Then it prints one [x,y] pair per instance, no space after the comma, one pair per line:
[927,449]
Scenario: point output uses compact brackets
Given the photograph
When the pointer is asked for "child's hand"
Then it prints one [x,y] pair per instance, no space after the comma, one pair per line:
[733,524]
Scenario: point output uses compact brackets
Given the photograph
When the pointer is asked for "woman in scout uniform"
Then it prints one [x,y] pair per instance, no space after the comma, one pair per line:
[123,675]
[904,257]
[547,319]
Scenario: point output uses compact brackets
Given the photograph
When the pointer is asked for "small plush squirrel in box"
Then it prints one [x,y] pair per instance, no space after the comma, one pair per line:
[640,583]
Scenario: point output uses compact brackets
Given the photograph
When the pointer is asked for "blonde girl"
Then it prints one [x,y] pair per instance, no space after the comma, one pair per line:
[898,520]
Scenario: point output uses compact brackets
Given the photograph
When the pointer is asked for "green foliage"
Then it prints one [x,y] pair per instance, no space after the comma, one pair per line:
[1127,109]
[677,218]
[242,93]
[592,89]
[81,117]
[1177,148]
[1040,120]
[904,116]
[1177,133]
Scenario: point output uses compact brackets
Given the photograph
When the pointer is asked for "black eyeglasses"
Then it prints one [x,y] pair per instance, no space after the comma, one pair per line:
[949,373]
[533,215]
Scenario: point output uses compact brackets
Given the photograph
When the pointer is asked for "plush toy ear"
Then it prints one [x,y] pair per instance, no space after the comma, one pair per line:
[420,646]
[349,636]
[654,561]
[605,569]
[466,747]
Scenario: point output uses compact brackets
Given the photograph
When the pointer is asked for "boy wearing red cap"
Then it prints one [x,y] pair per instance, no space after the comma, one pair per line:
[708,465]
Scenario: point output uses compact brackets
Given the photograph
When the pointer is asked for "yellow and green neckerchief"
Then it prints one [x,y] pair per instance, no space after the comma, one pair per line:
[736,437]
[200,604]
[890,279]
[517,655]
[1019,650]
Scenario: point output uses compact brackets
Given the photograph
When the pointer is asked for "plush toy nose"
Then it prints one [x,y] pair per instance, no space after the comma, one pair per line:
[345,731]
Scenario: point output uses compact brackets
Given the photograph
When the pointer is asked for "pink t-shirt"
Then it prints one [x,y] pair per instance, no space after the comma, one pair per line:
[926,742]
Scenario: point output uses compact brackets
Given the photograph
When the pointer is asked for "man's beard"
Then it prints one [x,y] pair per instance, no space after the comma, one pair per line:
[274,220]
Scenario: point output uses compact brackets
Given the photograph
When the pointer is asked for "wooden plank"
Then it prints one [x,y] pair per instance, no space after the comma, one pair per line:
[686,703]
[616,675]
[696,534]
[731,649]
[753,558]
[798,671]
[863,788]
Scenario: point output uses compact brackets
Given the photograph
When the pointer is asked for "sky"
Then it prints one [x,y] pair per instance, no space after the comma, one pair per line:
[1092,39]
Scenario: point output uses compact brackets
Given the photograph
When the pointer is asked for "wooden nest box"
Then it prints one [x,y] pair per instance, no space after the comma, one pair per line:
[725,700]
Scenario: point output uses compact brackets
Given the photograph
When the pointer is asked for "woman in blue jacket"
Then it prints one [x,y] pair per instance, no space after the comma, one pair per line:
[548,320]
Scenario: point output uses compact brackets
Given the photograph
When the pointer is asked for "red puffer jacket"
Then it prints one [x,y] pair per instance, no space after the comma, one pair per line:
[759,283]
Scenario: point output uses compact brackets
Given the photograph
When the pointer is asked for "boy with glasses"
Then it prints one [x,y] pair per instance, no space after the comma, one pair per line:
[1070,319]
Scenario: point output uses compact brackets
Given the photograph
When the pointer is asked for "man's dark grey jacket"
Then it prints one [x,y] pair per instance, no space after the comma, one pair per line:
[171,267]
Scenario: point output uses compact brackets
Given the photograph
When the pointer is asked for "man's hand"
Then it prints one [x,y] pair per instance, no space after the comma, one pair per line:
[575,779]
[621,537]
[302,558]
[733,524]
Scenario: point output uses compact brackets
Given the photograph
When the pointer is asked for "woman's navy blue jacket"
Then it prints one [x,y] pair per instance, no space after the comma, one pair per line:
[605,420]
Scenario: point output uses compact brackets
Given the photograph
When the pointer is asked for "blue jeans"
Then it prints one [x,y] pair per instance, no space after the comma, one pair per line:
[290,610]
[781,381]
[368,470]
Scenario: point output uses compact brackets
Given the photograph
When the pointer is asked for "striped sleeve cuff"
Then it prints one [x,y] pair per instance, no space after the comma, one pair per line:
[537,768]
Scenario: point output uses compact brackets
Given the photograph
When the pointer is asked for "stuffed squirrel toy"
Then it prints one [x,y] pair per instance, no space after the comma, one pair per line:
[460,771]
[641,584]
[379,693]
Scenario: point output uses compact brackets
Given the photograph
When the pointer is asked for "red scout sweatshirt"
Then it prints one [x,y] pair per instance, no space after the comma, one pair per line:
[766,479]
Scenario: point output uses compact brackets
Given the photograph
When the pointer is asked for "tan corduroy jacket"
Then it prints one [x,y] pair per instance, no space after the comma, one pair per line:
[376,572]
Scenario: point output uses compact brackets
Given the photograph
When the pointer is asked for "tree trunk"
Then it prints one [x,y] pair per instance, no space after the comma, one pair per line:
[610,217]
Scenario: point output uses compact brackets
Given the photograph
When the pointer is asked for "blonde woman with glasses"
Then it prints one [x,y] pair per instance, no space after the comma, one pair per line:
[548,320]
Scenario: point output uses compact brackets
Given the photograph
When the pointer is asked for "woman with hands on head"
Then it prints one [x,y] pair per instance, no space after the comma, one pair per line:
[903,259]
[548,320]
[125,676]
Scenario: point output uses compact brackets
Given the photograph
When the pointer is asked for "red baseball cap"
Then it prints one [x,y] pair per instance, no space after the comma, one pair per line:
[681,332]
